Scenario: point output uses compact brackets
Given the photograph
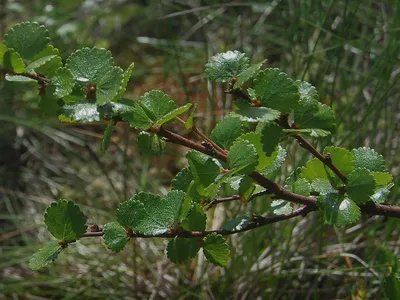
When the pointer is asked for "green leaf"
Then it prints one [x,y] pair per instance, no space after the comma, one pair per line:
[248,74]
[12,60]
[271,136]
[381,193]
[115,236]
[156,104]
[150,144]
[314,169]
[299,186]
[246,189]
[382,178]
[323,118]
[180,250]
[89,65]
[226,132]
[3,50]
[223,66]
[19,78]
[27,39]
[281,207]
[204,169]
[238,224]
[116,110]
[80,112]
[149,214]
[314,132]
[125,79]
[276,90]
[392,282]
[195,219]
[107,136]
[216,249]
[308,104]
[65,221]
[172,114]
[339,211]
[361,185]
[137,118]
[251,114]
[322,186]
[341,158]
[368,158]
[242,157]
[108,85]
[48,104]
[190,119]
[182,180]
[47,254]
[50,67]
[39,63]
[62,83]
[275,161]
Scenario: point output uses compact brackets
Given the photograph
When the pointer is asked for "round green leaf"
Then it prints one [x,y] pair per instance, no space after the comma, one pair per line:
[238,224]
[62,83]
[242,157]
[276,90]
[342,158]
[12,60]
[361,185]
[226,132]
[248,74]
[180,250]
[45,255]
[216,249]
[27,39]
[80,112]
[108,85]
[137,118]
[182,180]
[65,221]
[115,236]
[203,168]
[251,114]
[156,104]
[368,158]
[223,66]
[172,114]
[271,136]
[50,67]
[195,219]
[339,211]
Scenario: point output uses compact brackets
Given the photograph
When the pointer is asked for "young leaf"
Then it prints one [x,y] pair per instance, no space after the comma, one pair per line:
[339,211]
[125,79]
[341,158]
[150,144]
[3,50]
[190,119]
[195,219]
[156,104]
[150,215]
[246,189]
[108,85]
[276,90]
[248,74]
[299,186]
[89,65]
[238,223]
[12,60]
[369,159]
[180,250]
[381,193]
[314,169]
[216,249]
[45,255]
[223,66]
[19,78]
[271,136]
[251,114]
[49,68]
[323,118]
[39,63]
[226,132]
[361,185]
[137,118]
[172,114]
[322,186]
[62,83]
[242,157]
[308,104]
[107,136]
[275,161]
[182,180]
[115,236]
[65,221]
[80,112]
[382,178]
[27,39]
[203,168]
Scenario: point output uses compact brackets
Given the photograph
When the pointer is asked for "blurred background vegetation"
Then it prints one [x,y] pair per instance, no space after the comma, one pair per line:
[349,50]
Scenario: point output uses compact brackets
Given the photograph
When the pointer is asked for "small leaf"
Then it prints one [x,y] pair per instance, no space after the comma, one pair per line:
[190,119]
[107,136]
[216,250]
[271,136]
[19,78]
[125,79]
[323,118]
[137,118]
[314,132]
[251,114]
[89,65]
[299,186]
[180,250]
[65,221]
[149,214]
[182,180]
[322,186]
[223,66]
[150,144]
[45,255]
[3,50]
[226,132]
[339,211]
[62,83]
[195,219]
[381,193]
[341,158]
[12,60]
[382,178]
[108,85]
[281,207]
[48,104]
[248,74]
[27,39]
[246,189]
[276,90]
[308,104]
[80,112]
[50,67]
[172,114]
[361,185]
[39,63]
[277,159]
[115,236]
[238,224]
[156,104]
[368,158]
[314,169]
[203,168]
[242,157]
